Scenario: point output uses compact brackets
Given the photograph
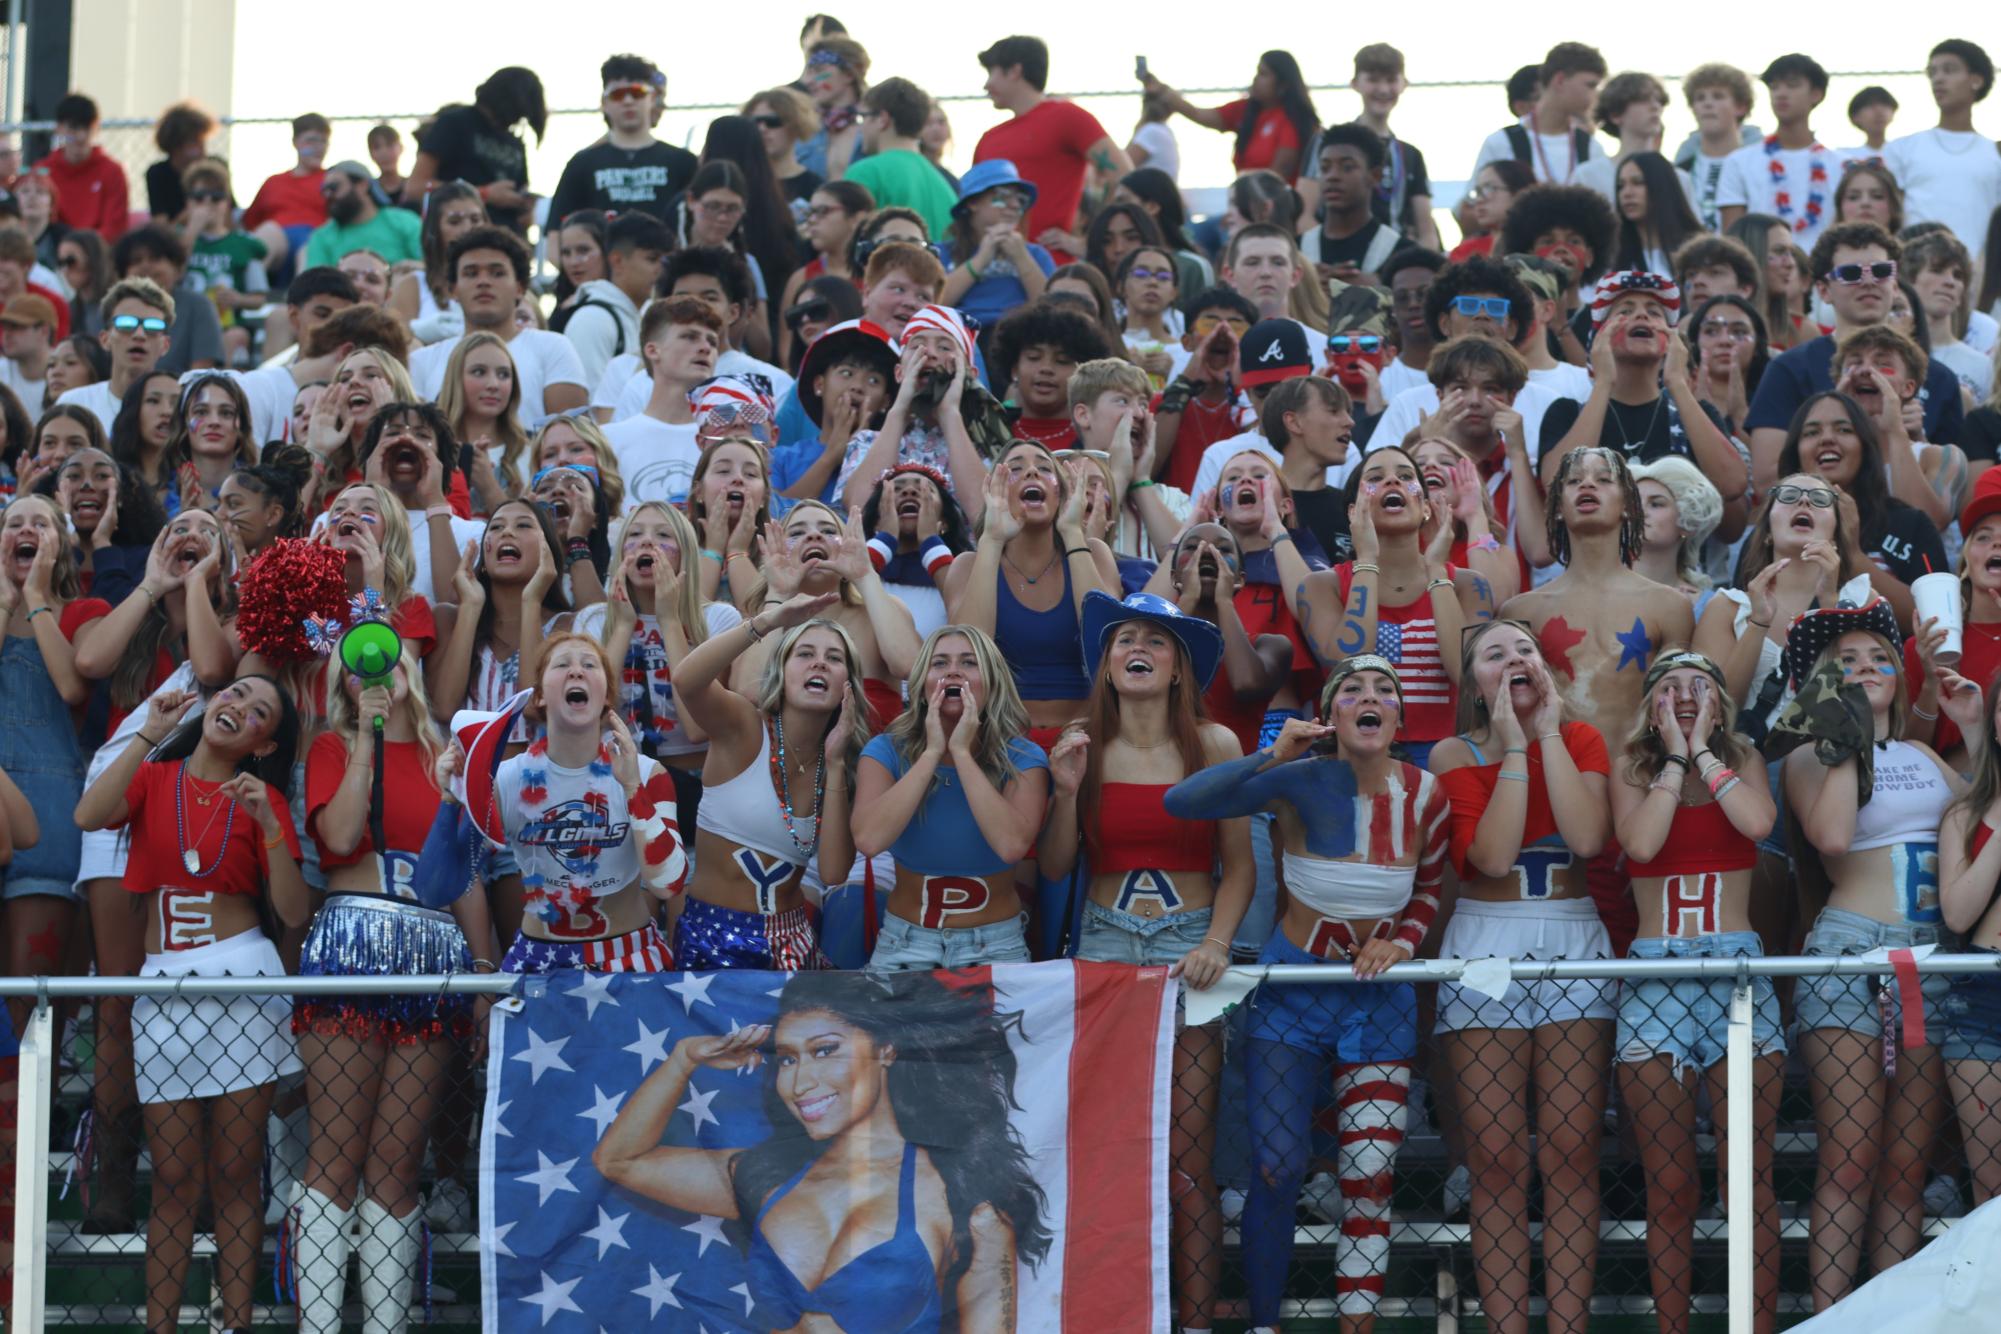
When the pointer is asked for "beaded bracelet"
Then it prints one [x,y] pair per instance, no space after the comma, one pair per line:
[1719,778]
[1724,791]
[1920,713]
[1682,760]
[1367,567]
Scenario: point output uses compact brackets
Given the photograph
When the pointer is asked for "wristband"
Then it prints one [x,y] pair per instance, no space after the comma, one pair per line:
[1550,736]
[491,967]
[578,550]
[151,597]
[150,743]
[1068,552]
[715,556]
[1283,536]
[1920,713]
[756,634]
[1516,750]
[439,512]
[1487,543]
[1367,567]
[1762,625]
[975,272]
[37,612]
[1438,583]
[1682,760]
[1140,485]
[1512,777]
[274,840]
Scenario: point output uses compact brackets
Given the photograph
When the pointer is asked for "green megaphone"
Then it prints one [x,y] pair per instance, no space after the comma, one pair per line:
[370,650]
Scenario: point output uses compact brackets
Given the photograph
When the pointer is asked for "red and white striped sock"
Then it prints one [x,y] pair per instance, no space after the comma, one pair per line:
[1371,1102]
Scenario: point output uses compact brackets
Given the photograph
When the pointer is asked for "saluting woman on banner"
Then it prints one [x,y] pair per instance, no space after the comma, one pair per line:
[843,1215]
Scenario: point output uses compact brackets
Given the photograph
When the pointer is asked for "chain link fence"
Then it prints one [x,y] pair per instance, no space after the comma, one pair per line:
[1486,1143]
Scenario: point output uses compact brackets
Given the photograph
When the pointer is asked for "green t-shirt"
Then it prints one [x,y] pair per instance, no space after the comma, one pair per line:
[393,233]
[906,179]
[225,261]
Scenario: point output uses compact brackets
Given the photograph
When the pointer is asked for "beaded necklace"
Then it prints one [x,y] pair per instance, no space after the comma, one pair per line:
[191,857]
[1816,176]
[781,781]
[554,906]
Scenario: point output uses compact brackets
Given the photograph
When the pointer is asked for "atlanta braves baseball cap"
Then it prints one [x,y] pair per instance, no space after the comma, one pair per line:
[1273,350]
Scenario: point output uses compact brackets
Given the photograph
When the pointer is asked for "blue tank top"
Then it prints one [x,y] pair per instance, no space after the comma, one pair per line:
[942,837]
[1045,648]
[892,1287]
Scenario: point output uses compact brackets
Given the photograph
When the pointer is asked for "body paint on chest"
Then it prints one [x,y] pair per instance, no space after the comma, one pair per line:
[1556,640]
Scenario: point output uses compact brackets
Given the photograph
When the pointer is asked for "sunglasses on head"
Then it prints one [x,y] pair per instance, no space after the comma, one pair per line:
[127,323]
[1354,343]
[1883,270]
[1820,497]
[589,470]
[1495,307]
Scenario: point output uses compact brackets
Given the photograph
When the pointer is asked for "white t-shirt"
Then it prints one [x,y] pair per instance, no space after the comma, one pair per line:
[1564,380]
[1552,157]
[1397,377]
[674,740]
[1161,149]
[1948,176]
[30,392]
[1209,471]
[1981,332]
[638,386]
[541,359]
[1975,371]
[1748,183]
[657,459]
[98,398]
[269,391]
[1407,408]
[1708,178]
[463,531]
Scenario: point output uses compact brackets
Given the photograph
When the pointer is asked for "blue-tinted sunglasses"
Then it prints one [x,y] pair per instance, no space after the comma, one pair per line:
[589,470]
[1354,343]
[1493,306]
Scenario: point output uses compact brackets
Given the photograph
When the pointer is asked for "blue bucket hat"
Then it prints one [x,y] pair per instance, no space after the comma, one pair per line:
[1102,612]
[984,176]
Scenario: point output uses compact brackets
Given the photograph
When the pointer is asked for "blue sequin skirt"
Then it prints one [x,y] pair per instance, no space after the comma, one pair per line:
[372,935]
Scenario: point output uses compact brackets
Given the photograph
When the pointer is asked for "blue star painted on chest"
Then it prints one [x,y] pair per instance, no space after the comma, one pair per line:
[1635,649]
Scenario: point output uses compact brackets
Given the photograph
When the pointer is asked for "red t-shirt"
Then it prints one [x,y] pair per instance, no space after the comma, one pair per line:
[1408,637]
[1055,432]
[1244,717]
[156,841]
[1472,786]
[1980,658]
[1273,130]
[1050,146]
[1262,609]
[82,612]
[409,803]
[289,201]
[1202,425]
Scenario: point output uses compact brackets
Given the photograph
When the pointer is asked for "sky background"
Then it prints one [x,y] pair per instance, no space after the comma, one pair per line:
[724,53]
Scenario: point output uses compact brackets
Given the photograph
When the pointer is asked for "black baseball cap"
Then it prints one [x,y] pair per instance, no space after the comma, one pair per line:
[1273,350]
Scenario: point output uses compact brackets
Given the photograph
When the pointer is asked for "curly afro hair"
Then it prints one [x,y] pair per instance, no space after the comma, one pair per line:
[1071,331]
[1541,209]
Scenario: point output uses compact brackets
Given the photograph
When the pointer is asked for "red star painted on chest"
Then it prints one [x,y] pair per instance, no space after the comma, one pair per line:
[1557,639]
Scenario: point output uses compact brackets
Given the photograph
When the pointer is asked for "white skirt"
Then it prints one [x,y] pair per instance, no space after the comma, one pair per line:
[205,1046]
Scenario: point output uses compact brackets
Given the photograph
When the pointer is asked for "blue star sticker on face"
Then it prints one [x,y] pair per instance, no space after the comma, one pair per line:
[1635,649]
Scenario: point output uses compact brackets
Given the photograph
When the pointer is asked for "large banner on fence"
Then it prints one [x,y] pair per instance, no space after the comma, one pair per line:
[719,1152]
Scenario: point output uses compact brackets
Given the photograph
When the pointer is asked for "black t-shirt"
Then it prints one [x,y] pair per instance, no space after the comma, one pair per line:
[1322,514]
[164,196]
[1642,432]
[1980,435]
[1415,180]
[468,148]
[615,179]
[1355,249]
[1909,544]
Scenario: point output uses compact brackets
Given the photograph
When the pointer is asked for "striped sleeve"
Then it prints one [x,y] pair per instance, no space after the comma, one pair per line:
[663,861]
[1434,830]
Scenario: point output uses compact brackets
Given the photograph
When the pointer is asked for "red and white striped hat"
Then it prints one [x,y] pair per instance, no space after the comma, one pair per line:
[945,320]
[1615,285]
[729,405]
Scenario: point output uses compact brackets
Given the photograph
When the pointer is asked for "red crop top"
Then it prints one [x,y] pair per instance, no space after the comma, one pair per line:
[1130,830]
[409,802]
[1700,841]
[155,860]
[1471,787]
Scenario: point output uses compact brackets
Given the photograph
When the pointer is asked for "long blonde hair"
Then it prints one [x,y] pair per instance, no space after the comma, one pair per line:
[1472,715]
[1003,717]
[507,431]
[1644,753]
[344,716]
[343,459]
[399,562]
[698,505]
[611,483]
[771,690]
[63,580]
[687,608]
[754,597]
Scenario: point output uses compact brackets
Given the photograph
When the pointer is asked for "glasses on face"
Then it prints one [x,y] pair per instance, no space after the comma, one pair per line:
[1152,275]
[1354,343]
[807,311]
[769,122]
[1820,497]
[1882,271]
[128,323]
[1724,328]
[1014,199]
[1238,324]
[627,92]
[589,470]
[819,211]
[70,262]
[1490,191]
[207,196]
[1495,307]
[716,208]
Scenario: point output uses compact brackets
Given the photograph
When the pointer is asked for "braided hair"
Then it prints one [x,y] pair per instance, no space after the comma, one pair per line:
[1632,518]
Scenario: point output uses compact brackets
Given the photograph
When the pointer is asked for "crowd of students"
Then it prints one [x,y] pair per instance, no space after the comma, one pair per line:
[909,571]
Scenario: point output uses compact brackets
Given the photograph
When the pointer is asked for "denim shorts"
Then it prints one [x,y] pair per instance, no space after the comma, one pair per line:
[1552,929]
[1351,1023]
[903,946]
[1111,936]
[1854,1002]
[1686,1018]
[1971,1015]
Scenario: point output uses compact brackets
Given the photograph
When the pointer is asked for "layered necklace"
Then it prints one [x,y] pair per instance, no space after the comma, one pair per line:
[191,853]
[781,782]
[1816,188]
[554,906]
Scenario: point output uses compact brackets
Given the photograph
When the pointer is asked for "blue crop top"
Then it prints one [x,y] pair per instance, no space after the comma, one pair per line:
[943,838]
[1045,648]
[892,1287]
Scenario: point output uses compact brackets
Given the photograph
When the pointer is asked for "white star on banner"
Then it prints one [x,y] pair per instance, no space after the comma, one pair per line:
[499,1110]
[549,1177]
[595,988]
[709,1228]
[779,990]
[498,1241]
[651,1048]
[743,1290]
[658,1291]
[697,1106]
[693,989]
[609,1232]
[602,1112]
[543,1056]
[554,1297]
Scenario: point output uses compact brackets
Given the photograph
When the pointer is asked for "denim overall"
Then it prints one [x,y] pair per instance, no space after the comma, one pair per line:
[39,751]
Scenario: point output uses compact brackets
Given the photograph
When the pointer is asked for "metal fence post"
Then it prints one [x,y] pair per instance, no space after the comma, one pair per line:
[1740,1157]
[34,1086]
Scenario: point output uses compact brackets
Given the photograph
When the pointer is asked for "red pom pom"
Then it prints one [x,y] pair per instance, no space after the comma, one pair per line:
[289,581]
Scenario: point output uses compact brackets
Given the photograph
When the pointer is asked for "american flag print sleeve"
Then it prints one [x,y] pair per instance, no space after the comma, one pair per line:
[1434,830]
